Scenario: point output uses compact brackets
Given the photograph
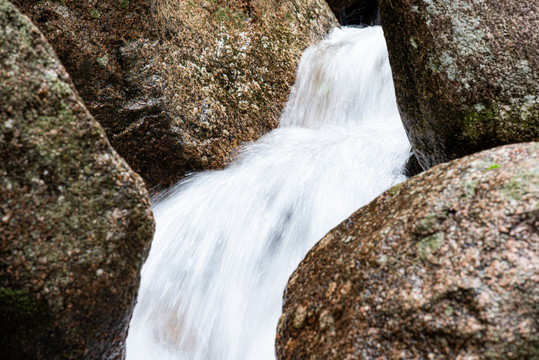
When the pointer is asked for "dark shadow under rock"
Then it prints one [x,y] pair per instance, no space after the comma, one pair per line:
[412,166]
[359,12]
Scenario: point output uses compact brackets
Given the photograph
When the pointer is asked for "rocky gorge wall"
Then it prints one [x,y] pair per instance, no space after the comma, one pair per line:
[178,85]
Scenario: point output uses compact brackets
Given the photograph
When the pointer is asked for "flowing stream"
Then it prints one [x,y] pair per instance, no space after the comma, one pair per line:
[227,241]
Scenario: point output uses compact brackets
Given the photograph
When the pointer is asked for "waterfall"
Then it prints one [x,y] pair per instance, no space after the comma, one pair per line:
[226,241]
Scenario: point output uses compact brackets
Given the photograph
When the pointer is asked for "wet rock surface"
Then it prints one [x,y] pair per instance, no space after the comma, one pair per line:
[466,73]
[75,220]
[178,85]
[443,266]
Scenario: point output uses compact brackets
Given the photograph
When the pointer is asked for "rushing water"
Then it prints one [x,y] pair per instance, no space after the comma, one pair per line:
[227,241]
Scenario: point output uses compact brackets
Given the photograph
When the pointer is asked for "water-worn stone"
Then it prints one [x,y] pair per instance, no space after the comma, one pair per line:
[75,220]
[443,266]
[466,73]
[178,84]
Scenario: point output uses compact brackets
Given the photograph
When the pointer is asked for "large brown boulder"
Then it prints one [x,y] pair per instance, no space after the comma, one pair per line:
[179,84]
[466,73]
[75,220]
[443,266]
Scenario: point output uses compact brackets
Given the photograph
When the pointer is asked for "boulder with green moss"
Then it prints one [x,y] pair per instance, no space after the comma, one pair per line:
[178,85]
[466,73]
[75,220]
[443,266]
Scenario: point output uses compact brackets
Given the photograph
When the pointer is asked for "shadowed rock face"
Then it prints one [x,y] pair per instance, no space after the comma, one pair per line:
[443,266]
[360,13]
[466,73]
[355,12]
[177,84]
[75,220]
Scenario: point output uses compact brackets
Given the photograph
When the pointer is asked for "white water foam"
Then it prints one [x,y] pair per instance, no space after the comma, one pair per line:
[227,241]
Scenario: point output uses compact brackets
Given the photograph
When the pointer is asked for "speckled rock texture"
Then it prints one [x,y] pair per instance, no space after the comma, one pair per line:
[75,220]
[465,72]
[443,266]
[179,84]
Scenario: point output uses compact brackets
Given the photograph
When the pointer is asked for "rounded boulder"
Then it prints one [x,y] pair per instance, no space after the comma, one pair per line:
[442,266]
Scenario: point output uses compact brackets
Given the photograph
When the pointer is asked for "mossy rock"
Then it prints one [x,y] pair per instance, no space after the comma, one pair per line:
[465,72]
[75,220]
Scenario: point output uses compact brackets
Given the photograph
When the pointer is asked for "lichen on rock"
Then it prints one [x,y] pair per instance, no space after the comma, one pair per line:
[75,220]
[466,73]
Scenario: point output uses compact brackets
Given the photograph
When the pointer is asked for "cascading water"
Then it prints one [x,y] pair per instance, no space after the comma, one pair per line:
[227,241]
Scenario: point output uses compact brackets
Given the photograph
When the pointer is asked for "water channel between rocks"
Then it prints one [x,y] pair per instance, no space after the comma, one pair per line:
[227,241]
